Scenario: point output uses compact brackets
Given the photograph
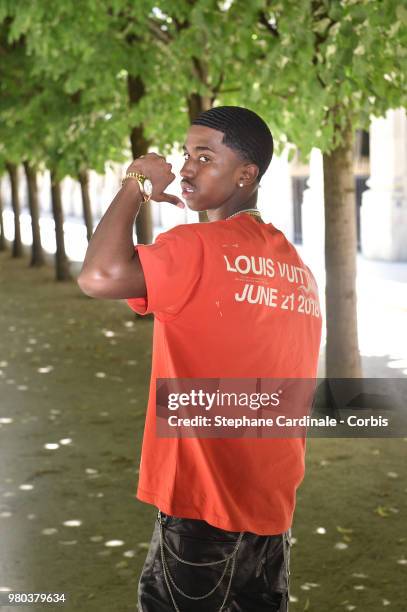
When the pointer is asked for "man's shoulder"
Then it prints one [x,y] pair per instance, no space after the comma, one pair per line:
[189,231]
[207,232]
[183,230]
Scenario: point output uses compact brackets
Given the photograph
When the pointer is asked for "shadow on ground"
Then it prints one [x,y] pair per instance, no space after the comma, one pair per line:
[73,386]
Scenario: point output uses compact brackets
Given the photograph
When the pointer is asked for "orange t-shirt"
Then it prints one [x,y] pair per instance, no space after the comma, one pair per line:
[218,291]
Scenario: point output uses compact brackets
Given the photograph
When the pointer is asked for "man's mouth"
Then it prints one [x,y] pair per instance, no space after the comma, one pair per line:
[187,188]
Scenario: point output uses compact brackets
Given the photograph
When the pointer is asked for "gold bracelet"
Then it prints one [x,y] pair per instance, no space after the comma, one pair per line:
[145,185]
[135,175]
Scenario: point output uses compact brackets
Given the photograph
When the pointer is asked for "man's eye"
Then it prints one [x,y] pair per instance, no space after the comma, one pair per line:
[203,158]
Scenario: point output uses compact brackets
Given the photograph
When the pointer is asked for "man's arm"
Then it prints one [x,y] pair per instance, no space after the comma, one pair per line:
[111,268]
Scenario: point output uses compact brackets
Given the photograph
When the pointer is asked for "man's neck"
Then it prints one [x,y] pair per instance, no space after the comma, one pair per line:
[231,208]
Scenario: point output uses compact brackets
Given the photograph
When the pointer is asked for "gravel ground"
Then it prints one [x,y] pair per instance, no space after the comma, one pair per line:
[73,387]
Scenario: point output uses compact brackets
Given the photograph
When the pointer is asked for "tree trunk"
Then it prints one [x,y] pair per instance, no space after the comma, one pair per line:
[17,249]
[139,146]
[61,261]
[83,177]
[3,246]
[197,104]
[342,351]
[37,253]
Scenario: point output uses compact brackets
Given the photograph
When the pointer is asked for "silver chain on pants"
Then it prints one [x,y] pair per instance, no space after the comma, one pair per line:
[169,579]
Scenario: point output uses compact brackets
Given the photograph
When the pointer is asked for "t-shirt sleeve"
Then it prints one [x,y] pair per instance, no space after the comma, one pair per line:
[172,268]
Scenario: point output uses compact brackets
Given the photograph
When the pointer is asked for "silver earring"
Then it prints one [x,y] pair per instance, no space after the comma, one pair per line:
[240,184]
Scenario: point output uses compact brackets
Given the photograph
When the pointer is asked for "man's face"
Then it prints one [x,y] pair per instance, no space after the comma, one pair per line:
[211,171]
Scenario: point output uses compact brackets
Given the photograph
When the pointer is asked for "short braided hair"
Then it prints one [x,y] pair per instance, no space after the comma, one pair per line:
[244,132]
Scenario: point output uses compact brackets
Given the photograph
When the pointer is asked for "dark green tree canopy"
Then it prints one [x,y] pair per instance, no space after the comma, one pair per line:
[309,68]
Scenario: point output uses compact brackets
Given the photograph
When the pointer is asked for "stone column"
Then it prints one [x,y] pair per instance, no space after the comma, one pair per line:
[313,216]
[384,204]
[275,198]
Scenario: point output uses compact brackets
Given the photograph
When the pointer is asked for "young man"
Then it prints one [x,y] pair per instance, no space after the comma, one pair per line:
[227,298]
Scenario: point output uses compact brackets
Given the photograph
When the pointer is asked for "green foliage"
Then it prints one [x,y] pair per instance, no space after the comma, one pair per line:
[316,66]
[309,68]
[60,123]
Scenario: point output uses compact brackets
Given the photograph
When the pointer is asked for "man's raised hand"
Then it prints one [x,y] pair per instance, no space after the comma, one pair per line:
[155,167]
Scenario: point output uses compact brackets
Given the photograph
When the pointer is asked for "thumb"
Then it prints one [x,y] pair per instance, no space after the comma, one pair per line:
[172,199]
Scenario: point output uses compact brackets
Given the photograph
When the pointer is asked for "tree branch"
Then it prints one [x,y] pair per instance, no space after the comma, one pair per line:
[199,70]
[160,34]
[219,84]
[270,27]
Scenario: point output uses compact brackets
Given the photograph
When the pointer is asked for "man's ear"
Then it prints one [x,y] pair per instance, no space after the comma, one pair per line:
[249,174]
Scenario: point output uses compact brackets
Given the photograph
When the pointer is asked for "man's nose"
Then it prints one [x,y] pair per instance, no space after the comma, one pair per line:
[188,169]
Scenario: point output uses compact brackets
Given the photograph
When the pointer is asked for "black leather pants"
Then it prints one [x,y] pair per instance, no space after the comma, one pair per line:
[260,579]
